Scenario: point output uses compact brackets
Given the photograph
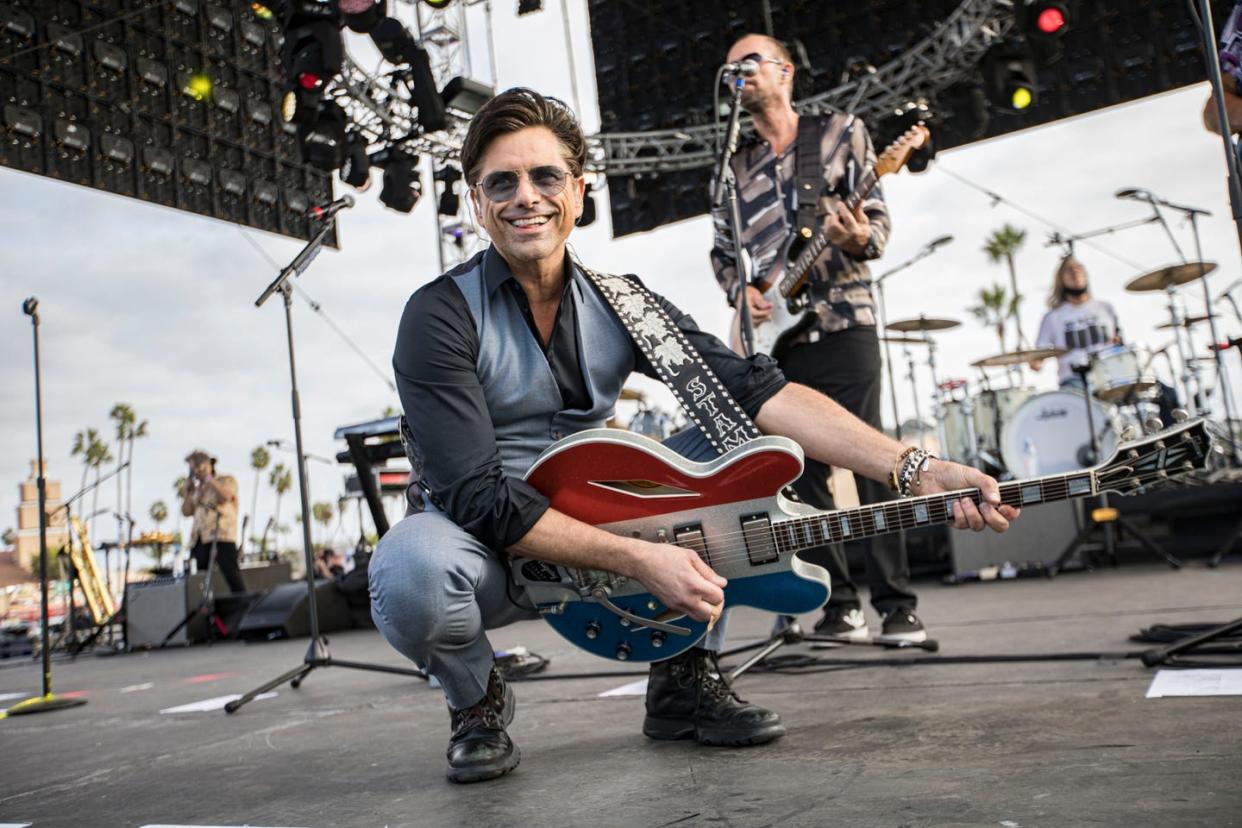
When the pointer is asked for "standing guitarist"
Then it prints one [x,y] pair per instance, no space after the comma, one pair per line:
[839,355]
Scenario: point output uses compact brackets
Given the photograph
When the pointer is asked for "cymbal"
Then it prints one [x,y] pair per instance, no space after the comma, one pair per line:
[1164,277]
[1018,357]
[904,340]
[923,323]
[1187,322]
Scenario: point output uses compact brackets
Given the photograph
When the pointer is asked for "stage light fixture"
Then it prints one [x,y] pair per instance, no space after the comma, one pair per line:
[311,55]
[402,187]
[450,202]
[356,170]
[362,15]
[466,95]
[262,11]
[323,145]
[198,87]
[1047,18]
[1009,73]
[526,7]
[392,39]
[438,4]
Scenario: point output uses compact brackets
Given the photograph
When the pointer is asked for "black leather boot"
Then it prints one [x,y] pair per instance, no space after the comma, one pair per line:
[686,699]
[479,748]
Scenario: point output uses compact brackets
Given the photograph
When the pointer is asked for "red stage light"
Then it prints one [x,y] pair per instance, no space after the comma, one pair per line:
[309,80]
[1051,20]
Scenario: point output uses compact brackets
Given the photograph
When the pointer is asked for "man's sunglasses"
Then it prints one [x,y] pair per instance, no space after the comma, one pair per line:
[502,185]
[729,77]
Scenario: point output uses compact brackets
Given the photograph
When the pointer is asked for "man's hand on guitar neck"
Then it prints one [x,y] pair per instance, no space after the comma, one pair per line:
[848,230]
[760,308]
[944,476]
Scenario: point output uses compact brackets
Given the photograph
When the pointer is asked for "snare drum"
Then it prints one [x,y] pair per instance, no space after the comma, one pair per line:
[1121,373]
[1048,434]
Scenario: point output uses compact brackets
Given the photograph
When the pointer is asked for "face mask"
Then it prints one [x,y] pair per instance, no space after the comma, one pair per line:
[1075,292]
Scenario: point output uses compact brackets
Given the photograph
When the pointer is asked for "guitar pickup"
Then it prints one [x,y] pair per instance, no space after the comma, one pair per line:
[760,543]
[691,537]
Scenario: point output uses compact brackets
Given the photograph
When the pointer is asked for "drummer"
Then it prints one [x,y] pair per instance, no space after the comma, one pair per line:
[1076,322]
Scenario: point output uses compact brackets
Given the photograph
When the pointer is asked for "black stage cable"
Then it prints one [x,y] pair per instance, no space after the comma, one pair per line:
[997,198]
[4,59]
[317,308]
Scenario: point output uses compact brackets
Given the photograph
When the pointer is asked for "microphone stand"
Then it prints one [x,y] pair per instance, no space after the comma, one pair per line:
[317,654]
[47,701]
[725,189]
[878,282]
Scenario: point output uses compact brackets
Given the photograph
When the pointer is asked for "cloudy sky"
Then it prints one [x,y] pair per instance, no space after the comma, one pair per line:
[154,307]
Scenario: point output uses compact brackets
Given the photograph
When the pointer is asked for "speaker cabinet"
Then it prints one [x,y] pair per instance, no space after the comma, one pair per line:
[281,612]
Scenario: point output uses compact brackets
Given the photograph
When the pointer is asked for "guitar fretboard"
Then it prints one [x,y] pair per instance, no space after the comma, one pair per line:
[911,513]
[796,275]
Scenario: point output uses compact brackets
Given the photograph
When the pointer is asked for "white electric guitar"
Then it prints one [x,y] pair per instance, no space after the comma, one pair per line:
[783,285]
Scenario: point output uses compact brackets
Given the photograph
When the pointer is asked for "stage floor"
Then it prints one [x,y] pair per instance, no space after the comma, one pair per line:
[1054,743]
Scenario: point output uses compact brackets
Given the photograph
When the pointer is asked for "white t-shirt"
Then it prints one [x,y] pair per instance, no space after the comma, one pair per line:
[1083,329]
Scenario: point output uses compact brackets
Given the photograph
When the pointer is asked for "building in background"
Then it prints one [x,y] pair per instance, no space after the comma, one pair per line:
[26,545]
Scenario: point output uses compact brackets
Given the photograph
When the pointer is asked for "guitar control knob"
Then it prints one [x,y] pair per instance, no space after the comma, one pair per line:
[657,639]
[623,652]
[592,629]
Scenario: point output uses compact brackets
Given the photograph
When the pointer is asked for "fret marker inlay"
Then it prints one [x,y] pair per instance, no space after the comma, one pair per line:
[880,523]
[1080,485]
[845,526]
[920,513]
[1032,493]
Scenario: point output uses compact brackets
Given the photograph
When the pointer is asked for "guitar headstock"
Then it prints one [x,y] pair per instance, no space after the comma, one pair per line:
[1178,450]
[896,154]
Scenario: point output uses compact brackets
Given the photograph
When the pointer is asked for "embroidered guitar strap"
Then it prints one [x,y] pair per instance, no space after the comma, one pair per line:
[702,395]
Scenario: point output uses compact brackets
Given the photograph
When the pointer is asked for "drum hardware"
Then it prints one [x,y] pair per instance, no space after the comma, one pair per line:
[1106,517]
[904,340]
[1186,323]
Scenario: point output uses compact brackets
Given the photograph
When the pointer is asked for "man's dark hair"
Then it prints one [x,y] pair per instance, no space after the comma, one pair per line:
[516,109]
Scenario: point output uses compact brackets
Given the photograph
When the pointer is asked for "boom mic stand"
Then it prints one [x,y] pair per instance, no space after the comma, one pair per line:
[47,701]
[317,654]
[725,189]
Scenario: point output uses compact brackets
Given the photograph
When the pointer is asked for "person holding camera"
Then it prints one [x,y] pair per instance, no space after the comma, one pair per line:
[211,499]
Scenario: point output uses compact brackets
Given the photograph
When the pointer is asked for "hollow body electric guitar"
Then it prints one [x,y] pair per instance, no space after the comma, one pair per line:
[731,514]
[783,285]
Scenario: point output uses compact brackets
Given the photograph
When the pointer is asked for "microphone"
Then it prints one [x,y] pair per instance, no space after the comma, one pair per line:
[1134,194]
[746,68]
[327,211]
[940,242]
[30,306]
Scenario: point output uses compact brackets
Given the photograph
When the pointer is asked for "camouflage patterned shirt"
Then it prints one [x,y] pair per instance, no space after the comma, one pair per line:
[768,205]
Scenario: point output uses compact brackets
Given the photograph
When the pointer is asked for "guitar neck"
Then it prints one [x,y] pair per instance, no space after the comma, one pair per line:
[796,275]
[893,516]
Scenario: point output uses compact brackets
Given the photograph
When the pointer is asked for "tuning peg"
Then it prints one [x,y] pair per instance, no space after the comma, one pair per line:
[1129,433]
[1180,415]
[1153,425]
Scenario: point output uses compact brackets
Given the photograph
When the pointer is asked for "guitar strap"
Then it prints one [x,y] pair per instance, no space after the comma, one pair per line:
[809,170]
[702,395]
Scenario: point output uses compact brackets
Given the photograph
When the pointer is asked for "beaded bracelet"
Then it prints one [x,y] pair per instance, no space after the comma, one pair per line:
[894,477]
[915,462]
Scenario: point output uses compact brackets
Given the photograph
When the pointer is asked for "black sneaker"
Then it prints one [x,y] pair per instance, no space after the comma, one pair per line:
[903,625]
[841,623]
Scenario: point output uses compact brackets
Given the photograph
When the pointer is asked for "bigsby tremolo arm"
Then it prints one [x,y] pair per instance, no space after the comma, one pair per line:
[599,594]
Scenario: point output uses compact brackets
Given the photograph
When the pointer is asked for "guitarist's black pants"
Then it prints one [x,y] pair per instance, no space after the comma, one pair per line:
[846,366]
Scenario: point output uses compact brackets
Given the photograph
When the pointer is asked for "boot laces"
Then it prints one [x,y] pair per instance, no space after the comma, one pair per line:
[485,713]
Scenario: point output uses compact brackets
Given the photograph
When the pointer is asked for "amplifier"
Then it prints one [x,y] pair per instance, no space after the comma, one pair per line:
[1041,534]
[153,608]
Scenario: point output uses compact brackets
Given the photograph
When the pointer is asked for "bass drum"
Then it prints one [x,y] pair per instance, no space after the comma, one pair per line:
[1048,434]
[991,410]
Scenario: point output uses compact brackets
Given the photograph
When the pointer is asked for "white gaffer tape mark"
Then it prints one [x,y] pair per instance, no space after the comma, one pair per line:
[634,688]
[6,697]
[180,825]
[15,824]
[1195,683]
[208,705]
[134,688]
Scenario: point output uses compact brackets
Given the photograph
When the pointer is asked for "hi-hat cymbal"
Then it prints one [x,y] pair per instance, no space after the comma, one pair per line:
[1018,357]
[904,340]
[923,323]
[1165,277]
[1185,323]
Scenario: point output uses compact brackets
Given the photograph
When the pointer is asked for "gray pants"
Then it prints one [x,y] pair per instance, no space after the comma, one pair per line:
[436,589]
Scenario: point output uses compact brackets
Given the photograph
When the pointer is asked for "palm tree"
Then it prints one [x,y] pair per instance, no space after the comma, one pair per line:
[179,488]
[281,479]
[9,537]
[992,310]
[259,458]
[1002,245]
[158,513]
[322,512]
[97,454]
[82,441]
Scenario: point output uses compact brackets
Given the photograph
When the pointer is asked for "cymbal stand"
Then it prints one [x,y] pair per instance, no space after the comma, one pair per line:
[1176,322]
[914,388]
[938,409]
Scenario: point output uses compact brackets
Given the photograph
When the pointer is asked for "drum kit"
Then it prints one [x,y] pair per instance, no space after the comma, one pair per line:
[1012,430]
